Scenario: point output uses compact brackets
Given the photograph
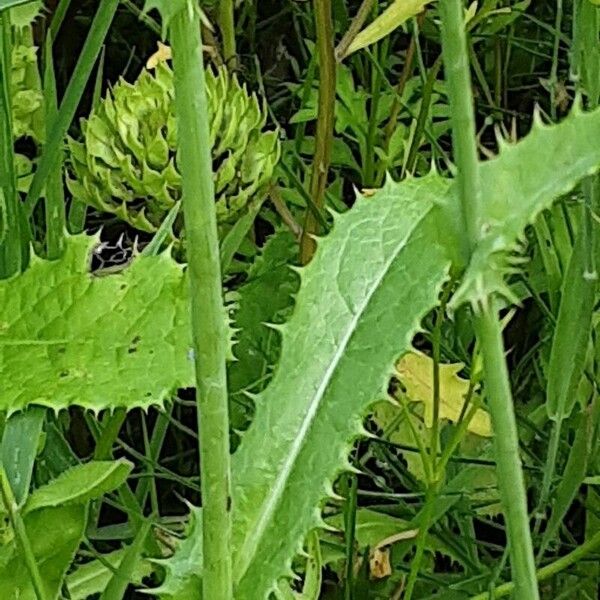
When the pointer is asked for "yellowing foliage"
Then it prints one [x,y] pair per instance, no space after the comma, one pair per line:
[415,371]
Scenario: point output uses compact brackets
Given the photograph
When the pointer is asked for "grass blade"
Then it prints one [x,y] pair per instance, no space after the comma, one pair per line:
[55,193]
[89,54]
[20,443]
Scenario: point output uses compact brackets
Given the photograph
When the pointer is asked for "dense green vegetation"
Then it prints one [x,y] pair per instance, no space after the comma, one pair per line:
[299,299]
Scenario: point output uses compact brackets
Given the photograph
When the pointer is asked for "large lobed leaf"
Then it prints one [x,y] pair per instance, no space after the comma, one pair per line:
[68,337]
[361,300]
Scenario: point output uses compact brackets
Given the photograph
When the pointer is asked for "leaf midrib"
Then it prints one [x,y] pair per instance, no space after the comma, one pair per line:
[268,506]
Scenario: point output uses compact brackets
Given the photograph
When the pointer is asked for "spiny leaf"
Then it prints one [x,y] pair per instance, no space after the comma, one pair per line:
[522,181]
[24,15]
[182,580]
[415,371]
[344,336]
[68,337]
[338,352]
[264,299]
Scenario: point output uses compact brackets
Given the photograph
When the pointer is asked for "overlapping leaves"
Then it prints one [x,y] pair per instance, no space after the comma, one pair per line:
[358,307]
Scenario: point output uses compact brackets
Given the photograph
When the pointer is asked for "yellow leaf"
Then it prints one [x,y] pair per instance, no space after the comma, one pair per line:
[379,563]
[415,371]
[163,54]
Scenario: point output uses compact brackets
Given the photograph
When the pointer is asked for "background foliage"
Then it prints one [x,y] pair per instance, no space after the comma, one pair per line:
[357,473]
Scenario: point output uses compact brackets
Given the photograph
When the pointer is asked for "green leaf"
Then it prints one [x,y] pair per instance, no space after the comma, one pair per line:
[344,335]
[20,447]
[573,476]
[521,182]
[571,334]
[257,347]
[338,352]
[91,578]
[391,18]
[24,15]
[347,331]
[182,580]
[167,9]
[4,4]
[68,337]
[80,484]
[55,535]
[125,572]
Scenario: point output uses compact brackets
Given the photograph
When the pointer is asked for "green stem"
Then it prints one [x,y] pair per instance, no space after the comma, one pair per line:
[10,217]
[425,522]
[546,572]
[392,122]
[509,471]
[373,126]
[555,52]
[227,27]
[511,482]
[458,78]
[325,123]
[549,472]
[351,486]
[21,534]
[209,326]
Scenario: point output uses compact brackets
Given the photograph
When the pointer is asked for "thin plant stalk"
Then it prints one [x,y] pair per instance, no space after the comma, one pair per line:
[227,27]
[511,482]
[55,195]
[354,28]
[209,326]
[559,565]
[10,224]
[16,521]
[325,123]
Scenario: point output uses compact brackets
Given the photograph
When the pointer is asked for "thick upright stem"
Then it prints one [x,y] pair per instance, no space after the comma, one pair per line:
[325,121]
[208,312]
[458,79]
[509,469]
